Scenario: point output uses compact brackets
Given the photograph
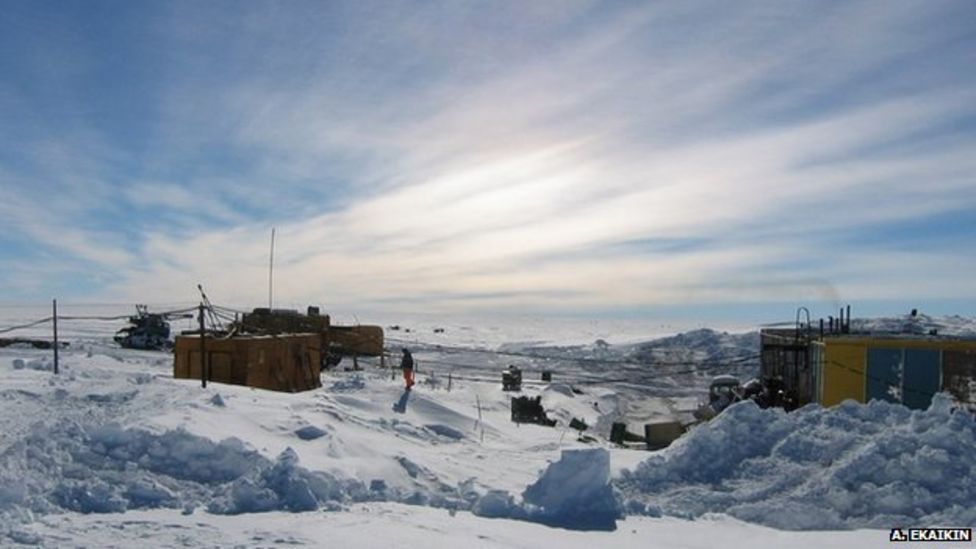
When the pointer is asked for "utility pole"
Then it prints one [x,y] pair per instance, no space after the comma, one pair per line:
[271,272]
[55,317]
[203,350]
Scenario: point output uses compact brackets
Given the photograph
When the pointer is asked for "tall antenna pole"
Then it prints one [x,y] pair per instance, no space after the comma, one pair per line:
[271,272]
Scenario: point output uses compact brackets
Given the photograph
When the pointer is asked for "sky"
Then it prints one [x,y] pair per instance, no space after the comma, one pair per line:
[571,157]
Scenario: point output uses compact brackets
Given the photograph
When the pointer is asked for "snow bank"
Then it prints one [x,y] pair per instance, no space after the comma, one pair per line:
[851,466]
[105,469]
[70,466]
[572,493]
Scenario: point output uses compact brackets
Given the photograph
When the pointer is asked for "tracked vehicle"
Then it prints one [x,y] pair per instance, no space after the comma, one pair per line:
[147,331]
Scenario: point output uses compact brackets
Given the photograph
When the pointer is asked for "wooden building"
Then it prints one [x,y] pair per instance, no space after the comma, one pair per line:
[287,363]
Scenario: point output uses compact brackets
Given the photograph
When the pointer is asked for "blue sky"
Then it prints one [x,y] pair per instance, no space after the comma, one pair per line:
[548,157]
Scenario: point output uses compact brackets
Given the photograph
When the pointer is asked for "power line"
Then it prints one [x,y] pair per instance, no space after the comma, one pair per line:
[29,325]
[102,318]
[585,360]
[89,318]
[89,304]
[124,317]
[696,366]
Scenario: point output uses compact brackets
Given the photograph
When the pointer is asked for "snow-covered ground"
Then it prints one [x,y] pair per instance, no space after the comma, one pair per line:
[114,452]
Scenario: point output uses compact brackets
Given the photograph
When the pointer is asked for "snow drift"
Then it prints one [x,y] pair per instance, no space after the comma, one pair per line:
[851,466]
[573,492]
[107,469]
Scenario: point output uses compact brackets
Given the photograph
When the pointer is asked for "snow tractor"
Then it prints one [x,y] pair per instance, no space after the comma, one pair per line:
[147,331]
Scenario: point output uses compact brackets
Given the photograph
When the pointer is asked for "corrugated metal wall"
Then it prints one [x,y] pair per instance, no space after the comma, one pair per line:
[842,370]
[884,372]
[922,377]
[909,371]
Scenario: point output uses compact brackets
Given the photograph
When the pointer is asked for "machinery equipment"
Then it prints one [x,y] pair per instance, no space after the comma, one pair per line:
[147,331]
[336,341]
[512,379]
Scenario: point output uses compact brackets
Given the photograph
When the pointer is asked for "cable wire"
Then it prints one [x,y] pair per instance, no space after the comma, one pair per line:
[28,325]
[586,360]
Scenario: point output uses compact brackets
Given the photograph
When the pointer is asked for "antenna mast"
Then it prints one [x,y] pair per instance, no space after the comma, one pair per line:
[271,272]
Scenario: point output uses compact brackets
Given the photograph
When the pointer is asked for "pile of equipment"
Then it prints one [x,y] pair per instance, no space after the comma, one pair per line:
[529,410]
[511,379]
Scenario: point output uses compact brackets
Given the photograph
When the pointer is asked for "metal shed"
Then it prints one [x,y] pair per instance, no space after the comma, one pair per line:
[906,369]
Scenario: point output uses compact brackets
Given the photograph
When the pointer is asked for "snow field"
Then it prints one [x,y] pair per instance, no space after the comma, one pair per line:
[104,440]
[115,437]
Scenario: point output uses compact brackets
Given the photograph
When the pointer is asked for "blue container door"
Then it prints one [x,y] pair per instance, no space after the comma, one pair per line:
[921,379]
[884,375]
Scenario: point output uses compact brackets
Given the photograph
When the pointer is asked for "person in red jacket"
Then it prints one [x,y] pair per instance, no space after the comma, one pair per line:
[406,364]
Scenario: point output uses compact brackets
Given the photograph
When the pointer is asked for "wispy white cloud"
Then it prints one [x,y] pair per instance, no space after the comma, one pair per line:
[501,159]
[45,223]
